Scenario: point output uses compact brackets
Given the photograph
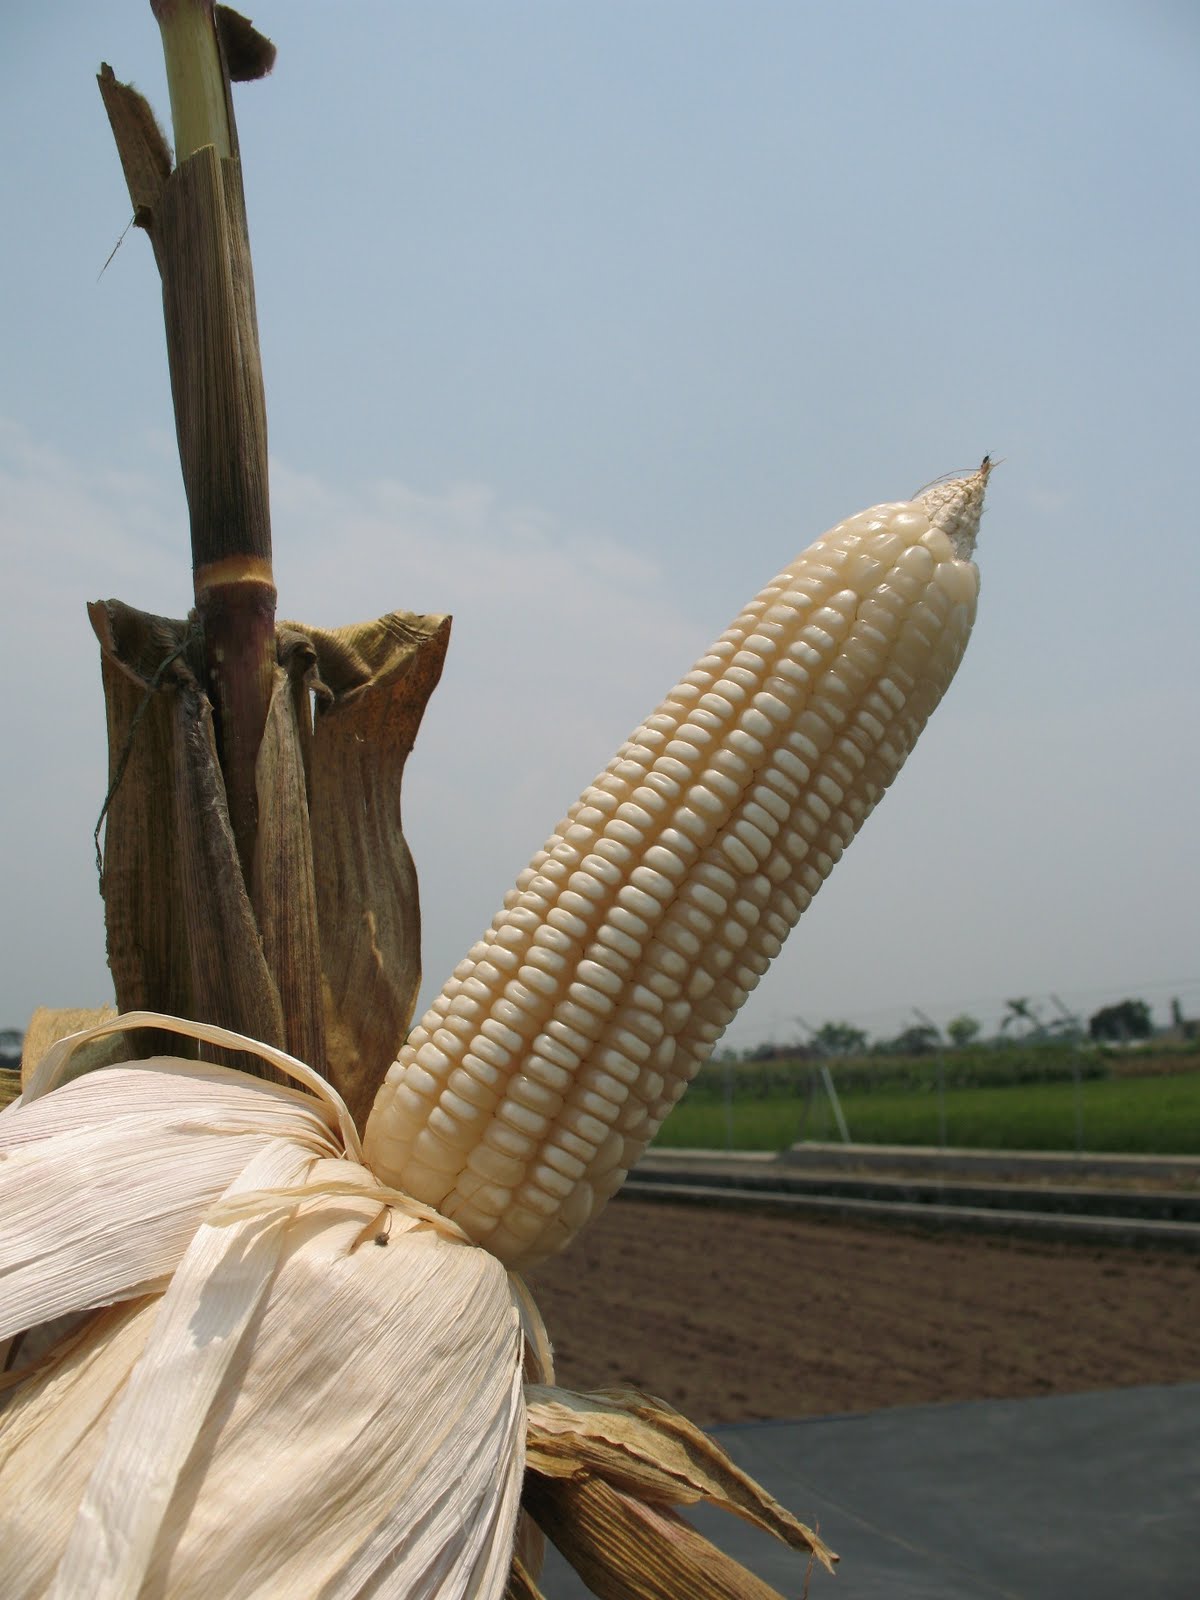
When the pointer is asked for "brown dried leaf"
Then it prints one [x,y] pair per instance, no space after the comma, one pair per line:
[248,54]
[141,144]
[203,250]
[231,984]
[331,859]
[529,1548]
[371,683]
[143,914]
[182,937]
[284,890]
[645,1449]
[624,1549]
[521,1585]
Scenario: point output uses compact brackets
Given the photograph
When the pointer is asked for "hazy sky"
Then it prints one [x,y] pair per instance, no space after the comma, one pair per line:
[579,320]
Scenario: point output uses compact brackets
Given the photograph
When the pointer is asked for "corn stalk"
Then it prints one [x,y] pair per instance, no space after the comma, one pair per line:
[235,891]
[220,407]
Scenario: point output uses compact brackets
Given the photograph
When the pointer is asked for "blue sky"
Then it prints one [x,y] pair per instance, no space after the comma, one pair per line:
[579,321]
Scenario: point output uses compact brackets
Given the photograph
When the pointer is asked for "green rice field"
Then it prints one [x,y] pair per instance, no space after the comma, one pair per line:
[1099,1110]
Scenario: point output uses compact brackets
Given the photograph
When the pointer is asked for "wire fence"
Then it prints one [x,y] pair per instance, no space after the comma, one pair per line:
[1043,1095]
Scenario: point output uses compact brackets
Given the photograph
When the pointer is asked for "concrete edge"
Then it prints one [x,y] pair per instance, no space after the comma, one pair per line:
[1121,1231]
[1011,1164]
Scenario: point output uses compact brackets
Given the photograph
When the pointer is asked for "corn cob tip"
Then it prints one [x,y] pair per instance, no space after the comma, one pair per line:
[956,505]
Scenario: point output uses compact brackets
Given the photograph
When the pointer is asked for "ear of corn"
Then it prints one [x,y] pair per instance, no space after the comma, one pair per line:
[572,1027]
[258,1373]
[218,1379]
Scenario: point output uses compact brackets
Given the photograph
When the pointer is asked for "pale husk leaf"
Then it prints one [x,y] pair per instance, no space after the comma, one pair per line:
[138,1153]
[56,1065]
[302,1411]
[49,1428]
[48,1025]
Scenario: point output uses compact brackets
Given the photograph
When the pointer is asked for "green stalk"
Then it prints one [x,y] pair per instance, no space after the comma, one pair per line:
[200,109]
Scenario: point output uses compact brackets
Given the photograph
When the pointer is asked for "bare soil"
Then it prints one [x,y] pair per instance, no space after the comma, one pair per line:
[733,1316]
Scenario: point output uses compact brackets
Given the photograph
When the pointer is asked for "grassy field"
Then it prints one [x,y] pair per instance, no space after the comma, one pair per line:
[1151,1112]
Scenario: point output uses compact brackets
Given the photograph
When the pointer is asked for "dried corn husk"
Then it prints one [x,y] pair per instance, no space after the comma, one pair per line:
[277,1405]
[320,951]
[604,1472]
[49,1024]
[238,1365]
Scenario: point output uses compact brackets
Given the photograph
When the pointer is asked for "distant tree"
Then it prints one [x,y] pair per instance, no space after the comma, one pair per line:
[1130,1019]
[917,1040]
[773,1051]
[1067,1027]
[11,1040]
[840,1039]
[1021,1011]
[962,1030]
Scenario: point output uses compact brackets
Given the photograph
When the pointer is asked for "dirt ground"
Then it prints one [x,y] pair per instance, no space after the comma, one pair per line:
[732,1316]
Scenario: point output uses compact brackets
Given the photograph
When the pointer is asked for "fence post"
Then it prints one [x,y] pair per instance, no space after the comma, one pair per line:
[941,1073]
[809,1092]
[1077,1080]
[827,1080]
[727,1096]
